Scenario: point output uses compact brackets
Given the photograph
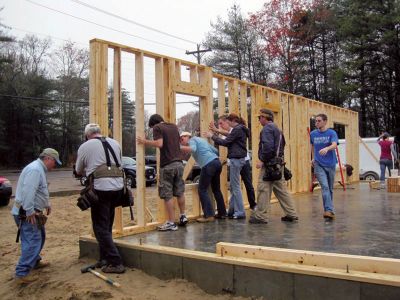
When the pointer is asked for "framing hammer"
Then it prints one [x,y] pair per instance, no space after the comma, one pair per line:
[106,279]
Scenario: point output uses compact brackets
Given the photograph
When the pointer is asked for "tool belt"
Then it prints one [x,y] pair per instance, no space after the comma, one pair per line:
[108,171]
[41,220]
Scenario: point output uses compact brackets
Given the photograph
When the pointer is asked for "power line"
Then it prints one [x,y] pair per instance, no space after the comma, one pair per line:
[84,103]
[44,99]
[132,22]
[104,26]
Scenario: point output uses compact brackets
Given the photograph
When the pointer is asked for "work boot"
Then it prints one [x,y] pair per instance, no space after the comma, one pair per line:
[329,215]
[26,279]
[40,265]
[257,221]
[205,220]
[100,264]
[289,219]
[119,269]
[221,217]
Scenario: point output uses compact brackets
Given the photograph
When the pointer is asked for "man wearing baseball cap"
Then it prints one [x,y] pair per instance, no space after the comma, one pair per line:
[31,200]
[206,157]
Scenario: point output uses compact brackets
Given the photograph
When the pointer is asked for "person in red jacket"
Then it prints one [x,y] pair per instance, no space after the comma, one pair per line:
[385,160]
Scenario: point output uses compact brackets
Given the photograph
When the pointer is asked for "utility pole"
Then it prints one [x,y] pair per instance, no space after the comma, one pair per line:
[198,53]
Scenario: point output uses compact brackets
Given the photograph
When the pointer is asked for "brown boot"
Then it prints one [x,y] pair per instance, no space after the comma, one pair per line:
[26,279]
[329,215]
[205,220]
[41,264]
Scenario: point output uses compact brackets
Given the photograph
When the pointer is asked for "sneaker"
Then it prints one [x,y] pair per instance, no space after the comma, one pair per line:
[119,269]
[100,264]
[205,220]
[235,217]
[257,221]
[289,219]
[329,215]
[26,279]
[183,220]
[40,265]
[254,208]
[167,226]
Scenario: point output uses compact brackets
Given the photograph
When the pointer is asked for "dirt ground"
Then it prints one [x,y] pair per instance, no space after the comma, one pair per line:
[63,279]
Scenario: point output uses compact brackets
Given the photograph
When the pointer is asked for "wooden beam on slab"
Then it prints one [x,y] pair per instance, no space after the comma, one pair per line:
[378,265]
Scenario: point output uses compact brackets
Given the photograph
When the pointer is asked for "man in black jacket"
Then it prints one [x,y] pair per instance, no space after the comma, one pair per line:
[271,138]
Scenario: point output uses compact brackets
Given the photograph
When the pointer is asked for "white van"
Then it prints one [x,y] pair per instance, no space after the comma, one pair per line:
[369,163]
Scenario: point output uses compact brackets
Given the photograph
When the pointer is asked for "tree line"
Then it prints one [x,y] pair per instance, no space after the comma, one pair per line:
[342,52]
[44,94]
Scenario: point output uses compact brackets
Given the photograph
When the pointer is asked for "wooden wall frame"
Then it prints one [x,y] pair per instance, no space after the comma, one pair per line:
[292,115]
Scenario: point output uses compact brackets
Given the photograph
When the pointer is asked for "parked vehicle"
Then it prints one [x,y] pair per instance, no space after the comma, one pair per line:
[369,153]
[129,165]
[5,191]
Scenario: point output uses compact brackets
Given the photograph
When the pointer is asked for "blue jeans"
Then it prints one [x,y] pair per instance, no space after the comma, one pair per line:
[210,174]
[326,179]
[236,207]
[32,241]
[385,163]
[246,177]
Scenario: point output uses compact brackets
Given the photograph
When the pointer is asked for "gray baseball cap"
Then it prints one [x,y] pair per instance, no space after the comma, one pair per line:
[51,153]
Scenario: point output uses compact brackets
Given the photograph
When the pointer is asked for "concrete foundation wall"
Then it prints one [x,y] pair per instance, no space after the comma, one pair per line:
[215,277]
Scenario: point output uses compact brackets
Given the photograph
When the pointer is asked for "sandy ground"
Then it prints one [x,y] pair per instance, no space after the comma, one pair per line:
[63,279]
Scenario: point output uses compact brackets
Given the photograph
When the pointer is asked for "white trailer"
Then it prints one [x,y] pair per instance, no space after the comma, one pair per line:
[370,152]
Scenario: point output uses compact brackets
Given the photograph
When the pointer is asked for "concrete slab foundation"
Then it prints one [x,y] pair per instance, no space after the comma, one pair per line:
[367,223]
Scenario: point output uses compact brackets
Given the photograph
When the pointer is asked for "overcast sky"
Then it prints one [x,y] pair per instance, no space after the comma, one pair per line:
[64,20]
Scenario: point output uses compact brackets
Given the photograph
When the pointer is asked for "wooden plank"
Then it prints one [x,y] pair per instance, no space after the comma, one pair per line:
[194,74]
[159,82]
[297,175]
[117,121]
[244,115]
[98,101]
[233,97]
[188,168]
[286,133]
[223,151]
[206,100]
[140,163]
[191,89]
[178,75]
[378,265]
[256,101]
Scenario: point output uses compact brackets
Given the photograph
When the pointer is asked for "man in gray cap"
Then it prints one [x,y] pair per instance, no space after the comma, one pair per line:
[31,200]
[271,146]
[108,184]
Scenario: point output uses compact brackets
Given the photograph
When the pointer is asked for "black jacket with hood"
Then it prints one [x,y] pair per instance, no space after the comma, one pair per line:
[236,141]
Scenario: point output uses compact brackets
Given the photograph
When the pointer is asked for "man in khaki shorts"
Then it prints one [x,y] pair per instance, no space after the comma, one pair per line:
[166,138]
